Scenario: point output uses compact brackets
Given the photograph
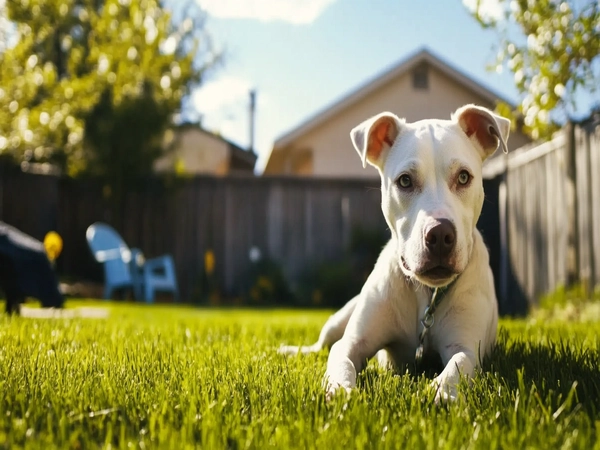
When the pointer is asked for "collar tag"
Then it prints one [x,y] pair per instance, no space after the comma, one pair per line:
[428,319]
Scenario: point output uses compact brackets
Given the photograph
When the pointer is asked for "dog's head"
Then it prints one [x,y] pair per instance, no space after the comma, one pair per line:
[431,183]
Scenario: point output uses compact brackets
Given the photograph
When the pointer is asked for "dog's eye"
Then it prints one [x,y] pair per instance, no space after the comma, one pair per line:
[404,181]
[464,177]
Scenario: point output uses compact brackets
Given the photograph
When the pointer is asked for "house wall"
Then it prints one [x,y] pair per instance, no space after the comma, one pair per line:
[332,152]
[199,152]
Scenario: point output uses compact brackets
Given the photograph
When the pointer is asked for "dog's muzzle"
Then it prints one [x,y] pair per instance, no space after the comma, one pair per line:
[436,263]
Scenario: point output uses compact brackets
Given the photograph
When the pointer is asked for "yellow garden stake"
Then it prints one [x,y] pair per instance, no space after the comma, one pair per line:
[53,244]
[209,270]
[209,262]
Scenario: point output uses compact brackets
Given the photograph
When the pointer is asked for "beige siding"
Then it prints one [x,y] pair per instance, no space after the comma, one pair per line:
[276,163]
[332,151]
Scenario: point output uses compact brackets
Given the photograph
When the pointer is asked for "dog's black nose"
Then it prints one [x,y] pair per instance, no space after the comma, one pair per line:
[440,238]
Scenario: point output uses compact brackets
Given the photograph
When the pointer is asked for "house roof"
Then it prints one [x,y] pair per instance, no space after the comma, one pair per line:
[235,149]
[423,55]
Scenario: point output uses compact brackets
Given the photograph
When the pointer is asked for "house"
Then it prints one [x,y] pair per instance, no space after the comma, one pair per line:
[195,150]
[422,86]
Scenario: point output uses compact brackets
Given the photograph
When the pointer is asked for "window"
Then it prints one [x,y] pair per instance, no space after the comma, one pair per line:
[420,78]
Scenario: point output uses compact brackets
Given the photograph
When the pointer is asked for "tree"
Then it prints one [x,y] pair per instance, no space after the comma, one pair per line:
[551,47]
[91,85]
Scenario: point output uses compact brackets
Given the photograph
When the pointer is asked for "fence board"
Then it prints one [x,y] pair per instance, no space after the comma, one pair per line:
[584,203]
[595,192]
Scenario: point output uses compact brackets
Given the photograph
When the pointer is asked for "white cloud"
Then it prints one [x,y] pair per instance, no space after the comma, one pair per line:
[488,9]
[298,12]
[223,92]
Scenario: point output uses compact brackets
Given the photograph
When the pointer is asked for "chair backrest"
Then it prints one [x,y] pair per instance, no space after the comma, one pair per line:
[108,248]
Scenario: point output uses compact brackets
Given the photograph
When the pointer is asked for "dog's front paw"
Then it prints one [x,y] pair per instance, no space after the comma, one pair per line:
[333,388]
[336,389]
[445,390]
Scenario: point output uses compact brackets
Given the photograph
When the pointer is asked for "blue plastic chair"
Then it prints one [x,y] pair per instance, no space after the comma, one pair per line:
[127,268]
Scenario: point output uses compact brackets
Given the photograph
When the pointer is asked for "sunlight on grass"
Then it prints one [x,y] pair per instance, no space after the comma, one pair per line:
[178,377]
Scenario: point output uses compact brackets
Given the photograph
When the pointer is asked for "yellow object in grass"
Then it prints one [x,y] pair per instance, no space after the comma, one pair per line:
[209,262]
[53,244]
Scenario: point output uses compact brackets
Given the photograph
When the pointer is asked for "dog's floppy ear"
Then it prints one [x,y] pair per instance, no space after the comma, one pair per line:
[487,129]
[375,136]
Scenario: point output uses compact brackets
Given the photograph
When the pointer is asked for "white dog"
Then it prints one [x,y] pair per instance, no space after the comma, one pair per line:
[432,195]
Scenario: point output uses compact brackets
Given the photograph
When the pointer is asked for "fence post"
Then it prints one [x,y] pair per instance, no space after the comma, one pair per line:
[504,244]
[590,281]
[572,206]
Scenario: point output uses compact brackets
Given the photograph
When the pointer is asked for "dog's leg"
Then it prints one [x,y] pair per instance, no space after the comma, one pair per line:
[386,360]
[370,328]
[332,331]
[462,363]
[461,355]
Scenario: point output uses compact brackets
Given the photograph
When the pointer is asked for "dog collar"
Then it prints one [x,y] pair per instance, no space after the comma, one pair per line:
[428,318]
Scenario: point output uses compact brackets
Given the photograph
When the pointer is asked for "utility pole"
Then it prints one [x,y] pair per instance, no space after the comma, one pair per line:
[252,118]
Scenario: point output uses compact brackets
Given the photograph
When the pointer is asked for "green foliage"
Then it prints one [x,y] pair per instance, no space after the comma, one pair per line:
[577,303]
[328,284]
[563,296]
[93,84]
[333,283]
[365,247]
[175,377]
[268,284]
[551,47]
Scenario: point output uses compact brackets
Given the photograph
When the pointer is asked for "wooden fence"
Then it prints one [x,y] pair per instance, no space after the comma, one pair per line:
[294,222]
[549,200]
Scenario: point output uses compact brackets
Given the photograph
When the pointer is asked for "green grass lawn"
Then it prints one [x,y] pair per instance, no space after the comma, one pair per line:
[177,377]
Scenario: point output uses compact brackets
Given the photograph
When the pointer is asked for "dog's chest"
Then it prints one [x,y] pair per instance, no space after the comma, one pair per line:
[425,329]
[410,310]
[424,325]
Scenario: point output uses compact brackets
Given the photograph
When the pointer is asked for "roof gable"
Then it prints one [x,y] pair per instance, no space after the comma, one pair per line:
[423,56]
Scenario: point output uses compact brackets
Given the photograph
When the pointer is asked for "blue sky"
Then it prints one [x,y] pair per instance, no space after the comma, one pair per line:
[302,55]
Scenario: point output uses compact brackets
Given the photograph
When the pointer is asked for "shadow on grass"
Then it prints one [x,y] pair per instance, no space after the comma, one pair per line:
[552,367]
[548,370]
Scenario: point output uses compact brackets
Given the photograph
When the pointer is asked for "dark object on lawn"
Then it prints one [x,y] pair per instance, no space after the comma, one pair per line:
[25,270]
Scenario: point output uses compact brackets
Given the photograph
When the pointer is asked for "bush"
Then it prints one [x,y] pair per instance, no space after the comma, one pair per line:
[268,285]
[333,283]
[574,295]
